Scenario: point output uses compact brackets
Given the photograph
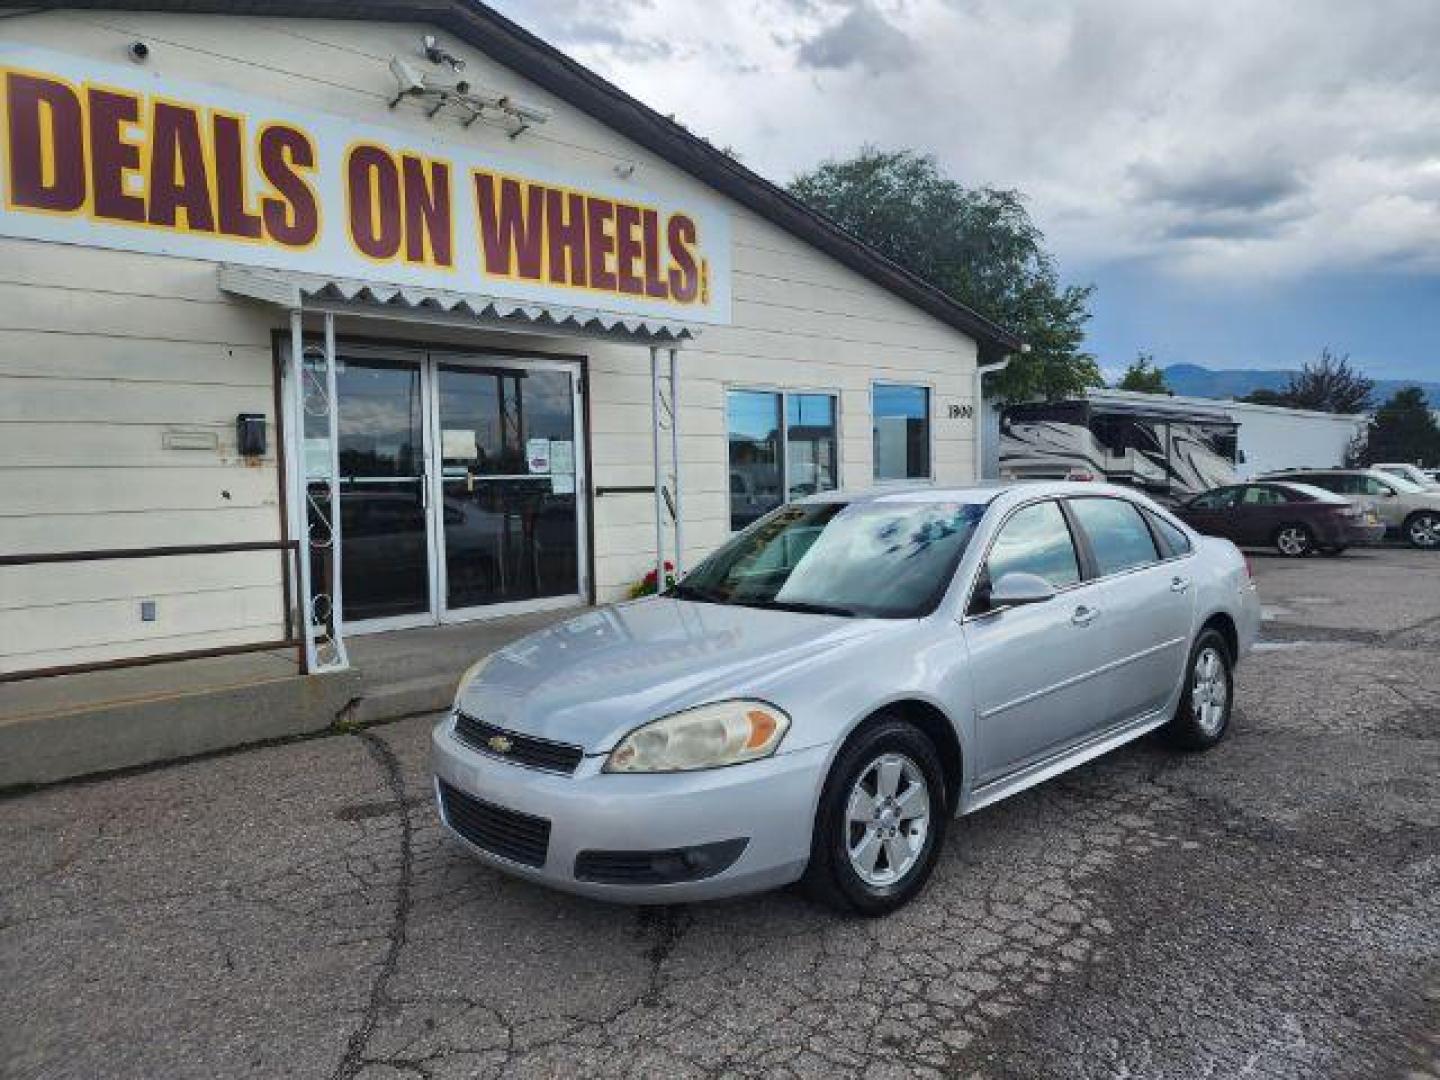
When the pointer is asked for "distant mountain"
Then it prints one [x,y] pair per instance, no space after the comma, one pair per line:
[1192,380]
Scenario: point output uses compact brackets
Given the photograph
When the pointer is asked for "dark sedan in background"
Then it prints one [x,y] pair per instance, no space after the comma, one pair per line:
[1295,519]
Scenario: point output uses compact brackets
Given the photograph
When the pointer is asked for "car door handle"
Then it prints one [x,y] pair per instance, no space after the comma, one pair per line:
[1179,584]
[1084,616]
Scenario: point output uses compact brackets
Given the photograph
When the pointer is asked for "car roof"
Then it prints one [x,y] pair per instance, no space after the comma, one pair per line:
[979,494]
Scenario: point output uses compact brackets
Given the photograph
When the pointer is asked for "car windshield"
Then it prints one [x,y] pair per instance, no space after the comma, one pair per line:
[1401,484]
[889,559]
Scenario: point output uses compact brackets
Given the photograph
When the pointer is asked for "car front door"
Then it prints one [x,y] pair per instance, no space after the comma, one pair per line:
[1148,602]
[1032,667]
[1213,513]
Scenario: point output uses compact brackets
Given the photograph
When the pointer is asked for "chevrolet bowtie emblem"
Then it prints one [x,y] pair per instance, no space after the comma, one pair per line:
[500,744]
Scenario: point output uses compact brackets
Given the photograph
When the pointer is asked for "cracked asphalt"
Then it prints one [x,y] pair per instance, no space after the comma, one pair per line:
[1270,909]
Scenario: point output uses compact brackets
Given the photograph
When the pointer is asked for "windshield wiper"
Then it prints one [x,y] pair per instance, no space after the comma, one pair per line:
[681,591]
[802,606]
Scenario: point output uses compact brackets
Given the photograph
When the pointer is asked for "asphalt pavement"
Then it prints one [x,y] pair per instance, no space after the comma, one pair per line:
[1269,909]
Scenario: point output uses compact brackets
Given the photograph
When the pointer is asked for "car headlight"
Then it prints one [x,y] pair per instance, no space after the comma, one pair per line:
[707,737]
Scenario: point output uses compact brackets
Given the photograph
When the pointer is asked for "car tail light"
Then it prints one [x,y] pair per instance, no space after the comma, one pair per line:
[1080,475]
[1249,567]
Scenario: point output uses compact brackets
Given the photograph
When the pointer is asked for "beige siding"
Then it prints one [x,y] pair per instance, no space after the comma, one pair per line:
[103,353]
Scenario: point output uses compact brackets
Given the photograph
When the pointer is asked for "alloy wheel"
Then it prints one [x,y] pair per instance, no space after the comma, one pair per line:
[1292,540]
[887,820]
[1209,691]
[1424,530]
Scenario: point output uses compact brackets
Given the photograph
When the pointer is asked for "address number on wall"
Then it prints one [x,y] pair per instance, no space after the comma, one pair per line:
[962,412]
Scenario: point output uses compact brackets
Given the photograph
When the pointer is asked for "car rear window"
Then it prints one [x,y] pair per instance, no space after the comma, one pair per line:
[1118,535]
[1173,536]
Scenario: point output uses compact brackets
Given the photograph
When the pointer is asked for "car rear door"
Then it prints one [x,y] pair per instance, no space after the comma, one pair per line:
[1033,667]
[1148,599]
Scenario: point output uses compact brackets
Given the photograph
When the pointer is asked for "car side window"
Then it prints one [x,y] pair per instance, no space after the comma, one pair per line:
[1036,540]
[1173,537]
[1219,499]
[1371,486]
[1256,495]
[1117,533]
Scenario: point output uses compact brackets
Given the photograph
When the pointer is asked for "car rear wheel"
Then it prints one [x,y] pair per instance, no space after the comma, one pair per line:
[881,821]
[1203,715]
[1422,530]
[1295,541]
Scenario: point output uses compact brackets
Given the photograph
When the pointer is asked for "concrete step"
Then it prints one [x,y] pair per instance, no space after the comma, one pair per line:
[40,747]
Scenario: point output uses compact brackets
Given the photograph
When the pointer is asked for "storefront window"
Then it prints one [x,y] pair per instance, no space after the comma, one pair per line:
[761,477]
[902,432]
[810,449]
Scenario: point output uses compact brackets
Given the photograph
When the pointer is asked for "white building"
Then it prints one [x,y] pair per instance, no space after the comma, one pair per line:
[490,285]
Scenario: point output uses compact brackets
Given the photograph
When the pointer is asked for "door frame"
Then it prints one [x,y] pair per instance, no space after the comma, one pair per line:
[486,360]
[429,355]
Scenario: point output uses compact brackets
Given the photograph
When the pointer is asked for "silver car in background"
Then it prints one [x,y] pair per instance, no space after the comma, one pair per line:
[818,698]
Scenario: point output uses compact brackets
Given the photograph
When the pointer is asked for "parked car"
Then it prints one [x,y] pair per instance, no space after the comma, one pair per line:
[1296,519]
[818,698]
[1416,475]
[1406,509]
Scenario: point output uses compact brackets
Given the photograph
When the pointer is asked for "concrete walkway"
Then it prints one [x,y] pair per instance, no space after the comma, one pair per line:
[76,725]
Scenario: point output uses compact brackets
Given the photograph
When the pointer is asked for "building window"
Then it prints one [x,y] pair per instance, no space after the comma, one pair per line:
[760,422]
[902,431]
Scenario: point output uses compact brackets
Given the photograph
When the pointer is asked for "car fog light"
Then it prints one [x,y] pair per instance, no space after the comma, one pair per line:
[708,737]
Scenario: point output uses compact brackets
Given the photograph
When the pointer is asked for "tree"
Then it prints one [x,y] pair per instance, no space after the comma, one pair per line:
[978,245]
[1404,429]
[1328,385]
[1144,376]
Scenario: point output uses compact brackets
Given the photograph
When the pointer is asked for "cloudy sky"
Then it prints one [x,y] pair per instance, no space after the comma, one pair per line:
[1245,181]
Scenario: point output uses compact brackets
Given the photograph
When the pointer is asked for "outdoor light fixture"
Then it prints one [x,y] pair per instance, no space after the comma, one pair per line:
[468,102]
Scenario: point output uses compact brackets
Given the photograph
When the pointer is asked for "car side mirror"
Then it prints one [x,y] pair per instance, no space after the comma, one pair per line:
[1018,589]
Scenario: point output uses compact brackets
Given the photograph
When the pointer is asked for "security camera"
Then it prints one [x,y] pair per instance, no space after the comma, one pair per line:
[139,51]
[430,47]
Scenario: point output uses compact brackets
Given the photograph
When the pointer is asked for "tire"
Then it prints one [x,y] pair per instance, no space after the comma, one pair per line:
[1209,681]
[1422,530]
[1294,541]
[908,759]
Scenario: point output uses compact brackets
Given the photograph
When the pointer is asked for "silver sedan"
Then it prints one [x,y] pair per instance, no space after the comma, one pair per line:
[822,695]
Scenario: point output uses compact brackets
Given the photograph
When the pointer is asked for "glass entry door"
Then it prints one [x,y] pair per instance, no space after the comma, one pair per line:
[509,466]
[462,482]
[384,497]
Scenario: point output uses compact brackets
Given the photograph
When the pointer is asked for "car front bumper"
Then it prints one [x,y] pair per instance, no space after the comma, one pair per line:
[1363,532]
[770,804]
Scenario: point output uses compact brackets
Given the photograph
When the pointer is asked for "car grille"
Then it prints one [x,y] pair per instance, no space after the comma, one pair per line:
[522,749]
[521,838]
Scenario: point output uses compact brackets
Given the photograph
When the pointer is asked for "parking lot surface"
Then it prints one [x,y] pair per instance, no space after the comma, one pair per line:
[1270,909]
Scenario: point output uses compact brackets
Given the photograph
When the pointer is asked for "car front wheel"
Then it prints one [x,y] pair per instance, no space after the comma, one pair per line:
[880,822]
[1203,715]
[1422,530]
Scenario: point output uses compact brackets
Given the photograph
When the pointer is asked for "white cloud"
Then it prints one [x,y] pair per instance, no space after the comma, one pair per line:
[1223,141]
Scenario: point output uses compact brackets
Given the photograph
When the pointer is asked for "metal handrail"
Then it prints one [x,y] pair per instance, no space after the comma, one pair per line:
[290,548]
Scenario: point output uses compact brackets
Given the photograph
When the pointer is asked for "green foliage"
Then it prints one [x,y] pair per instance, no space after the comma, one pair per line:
[1144,376]
[1404,430]
[1328,385]
[979,245]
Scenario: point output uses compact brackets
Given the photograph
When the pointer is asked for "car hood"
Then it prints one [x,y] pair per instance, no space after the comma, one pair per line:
[592,679]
